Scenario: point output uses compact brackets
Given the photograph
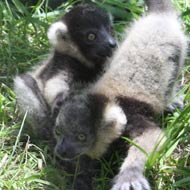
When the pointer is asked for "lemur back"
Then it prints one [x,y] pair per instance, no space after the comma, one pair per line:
[148,61]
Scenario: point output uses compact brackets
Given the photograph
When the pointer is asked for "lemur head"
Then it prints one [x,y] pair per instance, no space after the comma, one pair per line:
[85,30]
[87,124]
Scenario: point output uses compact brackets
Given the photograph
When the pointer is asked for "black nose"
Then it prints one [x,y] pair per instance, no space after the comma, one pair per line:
[66,151]
[112,43]
[61,151]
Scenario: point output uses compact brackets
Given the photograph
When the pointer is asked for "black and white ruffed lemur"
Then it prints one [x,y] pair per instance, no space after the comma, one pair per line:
[138,84]
[82,41]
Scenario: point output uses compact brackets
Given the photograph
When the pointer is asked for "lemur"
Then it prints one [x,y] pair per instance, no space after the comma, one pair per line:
[137,85]
[82,41]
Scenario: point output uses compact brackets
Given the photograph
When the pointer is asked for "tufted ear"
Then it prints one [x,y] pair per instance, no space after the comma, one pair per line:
[57,31]
[114,113]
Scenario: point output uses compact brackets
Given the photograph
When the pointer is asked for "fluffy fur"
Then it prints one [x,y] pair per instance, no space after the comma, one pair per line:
[141,80]
[82,41]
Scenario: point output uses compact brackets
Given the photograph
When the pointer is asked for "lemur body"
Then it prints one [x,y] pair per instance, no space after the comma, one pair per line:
[138,84]
[145,73]
[82,41]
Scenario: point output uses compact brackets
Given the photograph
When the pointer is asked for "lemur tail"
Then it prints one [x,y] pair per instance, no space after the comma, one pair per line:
[160,6]
[30,100]
[29,97]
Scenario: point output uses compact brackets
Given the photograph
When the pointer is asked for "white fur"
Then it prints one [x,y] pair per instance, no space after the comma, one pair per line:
[26,100]
[111,128]
[114,113]
[56,85]
[56,31]
[137,182]
[131,171]
[60,39]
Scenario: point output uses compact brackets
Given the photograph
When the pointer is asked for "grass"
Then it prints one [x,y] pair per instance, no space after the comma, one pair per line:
[26,166]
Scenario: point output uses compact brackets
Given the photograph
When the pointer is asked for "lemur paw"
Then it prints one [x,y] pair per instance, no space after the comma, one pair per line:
[130,180]
[178,102]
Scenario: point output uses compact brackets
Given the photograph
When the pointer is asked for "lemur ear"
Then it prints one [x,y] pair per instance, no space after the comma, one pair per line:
[57,31]
[114,113]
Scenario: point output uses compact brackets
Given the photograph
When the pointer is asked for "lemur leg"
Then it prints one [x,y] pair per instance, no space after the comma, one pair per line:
[131,172]
[30,100]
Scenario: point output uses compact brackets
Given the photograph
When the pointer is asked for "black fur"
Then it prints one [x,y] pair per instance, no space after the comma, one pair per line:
[138,114]
[85,170]
[72,112]
[132,106]
[80,21]
[76,70]
[85,19]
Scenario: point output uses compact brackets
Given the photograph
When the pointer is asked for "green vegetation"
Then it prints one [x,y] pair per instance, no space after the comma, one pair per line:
[23,43]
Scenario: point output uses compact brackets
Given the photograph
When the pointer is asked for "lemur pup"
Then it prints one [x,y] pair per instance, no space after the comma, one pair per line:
[138,84]
[82,41]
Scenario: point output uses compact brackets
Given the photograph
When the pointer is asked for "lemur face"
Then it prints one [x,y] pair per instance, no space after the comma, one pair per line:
[75,129]
[90,29]
[83,122]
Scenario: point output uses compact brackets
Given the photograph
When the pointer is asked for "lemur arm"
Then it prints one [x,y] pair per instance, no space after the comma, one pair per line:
[146,134]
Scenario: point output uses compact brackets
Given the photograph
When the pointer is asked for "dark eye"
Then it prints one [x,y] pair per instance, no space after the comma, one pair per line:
[81,137]
[91,37]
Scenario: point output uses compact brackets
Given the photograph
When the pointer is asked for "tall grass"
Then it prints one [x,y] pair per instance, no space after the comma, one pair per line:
[26,166]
